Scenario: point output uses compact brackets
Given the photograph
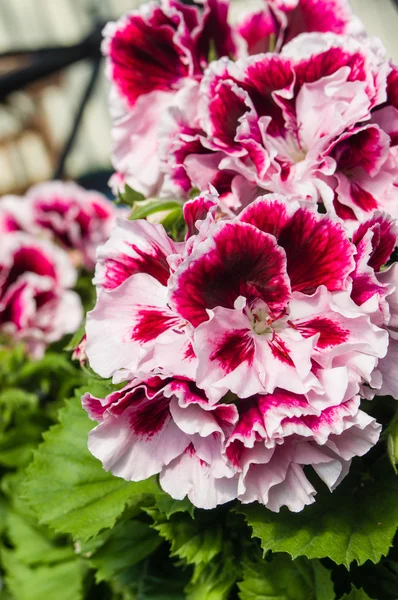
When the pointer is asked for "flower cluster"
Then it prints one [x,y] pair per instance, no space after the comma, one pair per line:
[43,237]
[172,103]
[243,350]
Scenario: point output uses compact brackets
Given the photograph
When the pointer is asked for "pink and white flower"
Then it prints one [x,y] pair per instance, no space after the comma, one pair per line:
[251,342]
[78,219]
[37,305]
[156,58]
[315,122]
[153,53]
[166,428]
[279,21]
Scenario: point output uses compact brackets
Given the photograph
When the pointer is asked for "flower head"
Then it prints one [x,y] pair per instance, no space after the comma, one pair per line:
[37,305]
[245,350]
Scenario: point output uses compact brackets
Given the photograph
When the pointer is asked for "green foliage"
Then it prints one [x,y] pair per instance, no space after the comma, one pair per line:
[196,540]
[68,488]
[63,581]
[392,442]
[214,579]
[151,207]
[129,196]
[355,523]
[129,544]
[282,578]
[167,505]
[356,595]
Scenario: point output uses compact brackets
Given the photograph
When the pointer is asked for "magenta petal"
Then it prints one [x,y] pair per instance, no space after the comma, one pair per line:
[238,260]
[144,53]
[384,239]
[236,348]
[318,252]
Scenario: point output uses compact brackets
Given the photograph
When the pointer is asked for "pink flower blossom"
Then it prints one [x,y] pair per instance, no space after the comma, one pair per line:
[152,54]
[156,57]
[316,122]
[78,219]
[15,214]
[282,20]
[245,350]
[37,305]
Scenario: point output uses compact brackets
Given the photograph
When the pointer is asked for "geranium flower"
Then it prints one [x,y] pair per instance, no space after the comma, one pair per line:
[166,428]
[274,316]
[311,123]
[78,219]
[156,57]
[37,305]
[279,21]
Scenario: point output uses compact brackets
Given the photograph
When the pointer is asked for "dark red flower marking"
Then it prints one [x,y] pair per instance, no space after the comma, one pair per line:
[235,348]
[365,286]
[152,262]
[331,334]
[317,249]
[225,109]
[29,259]
[362,198]
[328,62]
[196,210]
[364,149]
[318,252]
[392,87]
[263,79]
[189,353]
[280,350]
[215,32]
[145,57]
[148,417]
[384,239]
[152,322]
[270,216]
[243,262]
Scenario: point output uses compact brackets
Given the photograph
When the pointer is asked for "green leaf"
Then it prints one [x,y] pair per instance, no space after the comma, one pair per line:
[157,578]
[129,543]
[3,512]
[68,488]
[213,580]
[392,442]
[61,582]
[151,207]
[130,196]
[18,443]
[76,338]
[196,540]
[14,400]
[167,505]
[194,192]
[355,523]
[281,578]
[55,363]
[356,595]
[31,546]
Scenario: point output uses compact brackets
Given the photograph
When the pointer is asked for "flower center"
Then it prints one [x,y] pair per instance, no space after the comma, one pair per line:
[265,324]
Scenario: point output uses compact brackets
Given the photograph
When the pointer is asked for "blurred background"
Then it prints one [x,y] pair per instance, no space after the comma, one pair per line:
[43,130]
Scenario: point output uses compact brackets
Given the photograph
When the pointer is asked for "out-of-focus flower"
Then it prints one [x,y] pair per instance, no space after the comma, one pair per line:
[37,305]
[78,219]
